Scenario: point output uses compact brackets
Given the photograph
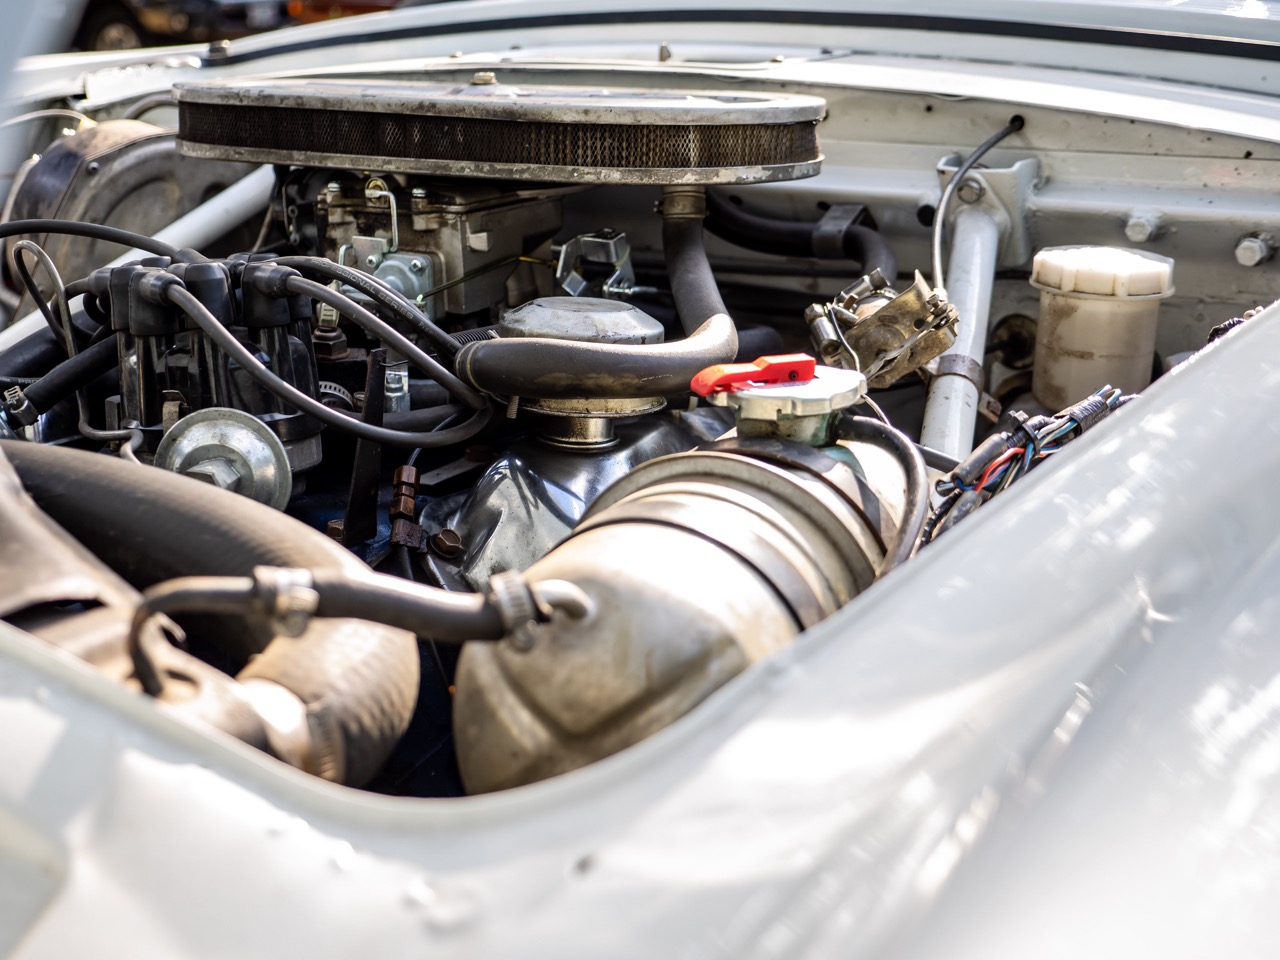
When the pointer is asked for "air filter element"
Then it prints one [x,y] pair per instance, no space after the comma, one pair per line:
[487,129]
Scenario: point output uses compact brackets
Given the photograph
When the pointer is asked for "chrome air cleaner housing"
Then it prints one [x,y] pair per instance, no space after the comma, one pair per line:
[511,132]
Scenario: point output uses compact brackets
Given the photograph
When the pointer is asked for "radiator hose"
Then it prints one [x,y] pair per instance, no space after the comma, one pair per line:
[357,679]
[558,369]
[795,238]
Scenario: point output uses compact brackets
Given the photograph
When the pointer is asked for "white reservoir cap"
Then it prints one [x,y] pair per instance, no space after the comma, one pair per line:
[1102,272]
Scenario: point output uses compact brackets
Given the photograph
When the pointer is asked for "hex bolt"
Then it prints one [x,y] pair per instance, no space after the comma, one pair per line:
[446,544]
[1251,251]
[1142,227]
[336,529]
[970,190]
[219,472]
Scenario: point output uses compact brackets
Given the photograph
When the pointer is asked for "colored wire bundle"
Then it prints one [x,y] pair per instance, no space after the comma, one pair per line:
[1004,458]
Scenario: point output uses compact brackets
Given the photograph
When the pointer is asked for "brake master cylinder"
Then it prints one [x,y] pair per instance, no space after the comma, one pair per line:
[696,565]
[1098,313]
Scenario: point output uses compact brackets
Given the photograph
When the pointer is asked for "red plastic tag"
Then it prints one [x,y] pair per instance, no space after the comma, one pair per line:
[783,368]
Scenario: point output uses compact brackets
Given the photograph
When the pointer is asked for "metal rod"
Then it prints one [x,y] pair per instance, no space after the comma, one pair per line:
[952,406]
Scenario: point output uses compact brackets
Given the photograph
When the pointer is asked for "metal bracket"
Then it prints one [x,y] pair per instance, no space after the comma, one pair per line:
[1005,192]
[603,247]
[828,235]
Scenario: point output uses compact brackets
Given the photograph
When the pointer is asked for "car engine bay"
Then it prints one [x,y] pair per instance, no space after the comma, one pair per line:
[542,403]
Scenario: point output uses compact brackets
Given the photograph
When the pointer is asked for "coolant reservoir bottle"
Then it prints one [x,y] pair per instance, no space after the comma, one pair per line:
[1098,312]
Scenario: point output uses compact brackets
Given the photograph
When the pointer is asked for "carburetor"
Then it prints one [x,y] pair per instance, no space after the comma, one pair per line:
[457,248]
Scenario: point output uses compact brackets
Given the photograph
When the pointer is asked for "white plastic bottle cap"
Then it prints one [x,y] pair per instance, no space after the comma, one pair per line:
[1102,272]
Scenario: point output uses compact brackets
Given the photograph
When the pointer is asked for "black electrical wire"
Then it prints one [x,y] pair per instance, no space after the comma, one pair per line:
[916,507]
[378,291]
[1015,124]
[376,327]
[942,462]
[233,348]
[97,231]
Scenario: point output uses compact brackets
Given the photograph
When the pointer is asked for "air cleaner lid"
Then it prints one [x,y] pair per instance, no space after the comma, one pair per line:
[510,131]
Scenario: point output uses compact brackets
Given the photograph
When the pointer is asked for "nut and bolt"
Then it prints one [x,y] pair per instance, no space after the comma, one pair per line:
[1251,251]
[970,190]
[1142,227]
[219,472]
[446,544]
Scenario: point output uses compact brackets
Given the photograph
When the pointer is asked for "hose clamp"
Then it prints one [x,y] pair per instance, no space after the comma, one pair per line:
[287,596]
[517,608]
[958,365]
[19,408]
[683,203]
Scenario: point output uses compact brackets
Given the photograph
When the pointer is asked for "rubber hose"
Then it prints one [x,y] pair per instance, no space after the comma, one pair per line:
[426,393]
[74,374]
[425,419]
[916,506]
[791,238]
[150,525]
[32,356]
[553,369]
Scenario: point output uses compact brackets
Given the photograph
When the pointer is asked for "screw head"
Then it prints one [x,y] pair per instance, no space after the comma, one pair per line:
[970,191]
[484,78]
[371,261]
[1251,251]
[418,193]
[417,266]
[334,186]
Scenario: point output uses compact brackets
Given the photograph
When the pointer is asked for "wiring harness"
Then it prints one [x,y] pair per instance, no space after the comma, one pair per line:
[1004,458]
